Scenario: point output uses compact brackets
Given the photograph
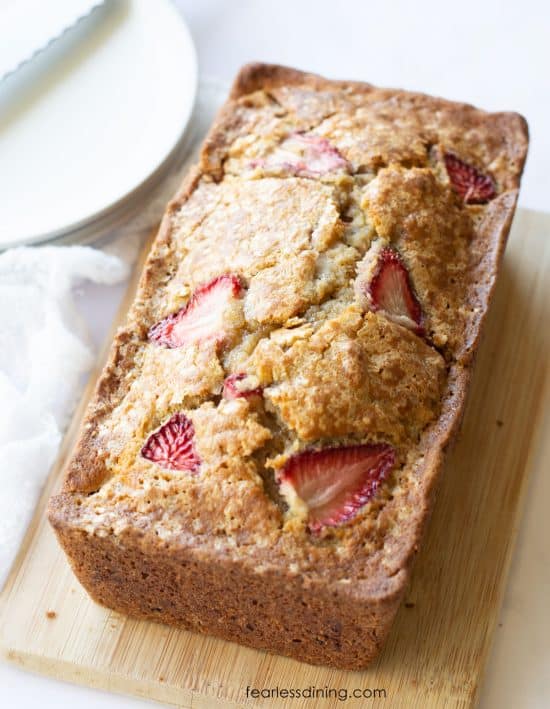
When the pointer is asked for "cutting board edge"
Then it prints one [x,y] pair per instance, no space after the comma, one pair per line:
[65,671]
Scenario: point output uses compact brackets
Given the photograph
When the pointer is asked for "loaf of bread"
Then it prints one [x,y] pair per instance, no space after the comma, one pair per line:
[260,457]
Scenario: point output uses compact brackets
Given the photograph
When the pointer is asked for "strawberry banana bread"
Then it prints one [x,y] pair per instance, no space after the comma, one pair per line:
[260,457]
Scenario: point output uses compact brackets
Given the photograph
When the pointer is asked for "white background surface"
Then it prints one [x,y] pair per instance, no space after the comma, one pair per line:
[494,54]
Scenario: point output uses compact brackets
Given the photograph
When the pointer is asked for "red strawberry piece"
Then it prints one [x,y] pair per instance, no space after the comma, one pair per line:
[305,155]
[172,445]
[335,482]
[240,385]
[472,185]
[390,292]
[319,156]
[202,319]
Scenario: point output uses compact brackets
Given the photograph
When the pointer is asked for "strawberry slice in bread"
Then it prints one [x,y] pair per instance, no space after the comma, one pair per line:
[314,154]
[202,319]
[335,482]
[241,385]
[472,185]
[305,155]
[172,446]
[390,291]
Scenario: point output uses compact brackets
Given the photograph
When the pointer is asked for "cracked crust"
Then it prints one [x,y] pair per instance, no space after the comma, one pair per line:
[218,553]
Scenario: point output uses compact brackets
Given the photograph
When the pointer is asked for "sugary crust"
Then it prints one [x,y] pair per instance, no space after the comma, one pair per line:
[261,587]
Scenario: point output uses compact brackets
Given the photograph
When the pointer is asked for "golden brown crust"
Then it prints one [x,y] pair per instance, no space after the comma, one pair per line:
[134,536]
[258,76]
[210,594]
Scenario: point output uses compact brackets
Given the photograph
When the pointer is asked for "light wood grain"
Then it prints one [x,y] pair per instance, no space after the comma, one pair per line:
[437,649]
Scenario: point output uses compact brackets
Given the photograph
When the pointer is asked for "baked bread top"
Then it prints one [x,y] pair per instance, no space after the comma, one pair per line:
[297,356]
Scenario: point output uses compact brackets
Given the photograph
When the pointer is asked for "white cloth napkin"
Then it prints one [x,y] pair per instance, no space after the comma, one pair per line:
[44,355]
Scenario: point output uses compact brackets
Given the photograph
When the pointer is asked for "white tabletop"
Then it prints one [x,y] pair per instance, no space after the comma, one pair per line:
[493,54]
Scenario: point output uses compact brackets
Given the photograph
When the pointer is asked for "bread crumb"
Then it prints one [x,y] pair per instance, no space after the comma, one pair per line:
[51,615]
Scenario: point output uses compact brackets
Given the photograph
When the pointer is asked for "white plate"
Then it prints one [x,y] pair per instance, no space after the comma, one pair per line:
[93,117]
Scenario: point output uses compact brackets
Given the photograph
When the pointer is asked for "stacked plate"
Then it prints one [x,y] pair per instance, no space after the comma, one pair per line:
[91,127]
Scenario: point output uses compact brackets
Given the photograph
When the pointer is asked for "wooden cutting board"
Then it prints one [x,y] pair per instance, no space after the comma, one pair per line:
[437,649]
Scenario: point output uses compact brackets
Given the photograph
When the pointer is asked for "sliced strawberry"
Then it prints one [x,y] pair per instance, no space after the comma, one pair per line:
[304,155]
[390,291]
[172,445]
[240,385]
[202,319]
[318,154]
[335,482]
[472,185]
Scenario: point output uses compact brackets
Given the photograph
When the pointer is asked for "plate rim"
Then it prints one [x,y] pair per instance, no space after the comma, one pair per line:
[153,175]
